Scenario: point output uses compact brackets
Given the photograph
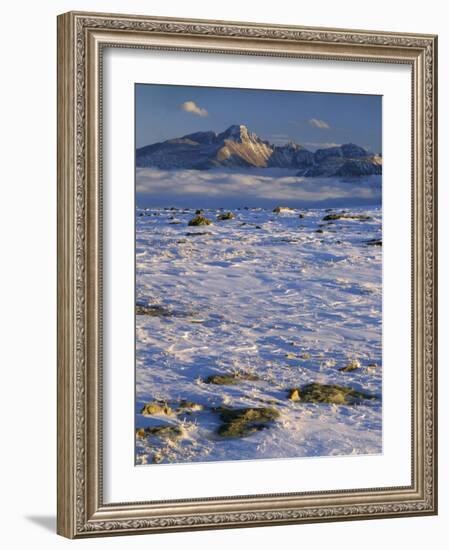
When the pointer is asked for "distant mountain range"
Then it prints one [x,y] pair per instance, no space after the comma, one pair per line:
[236,147]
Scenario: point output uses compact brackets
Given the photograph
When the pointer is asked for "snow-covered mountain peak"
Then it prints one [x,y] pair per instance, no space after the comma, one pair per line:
[238,133]
[237,147]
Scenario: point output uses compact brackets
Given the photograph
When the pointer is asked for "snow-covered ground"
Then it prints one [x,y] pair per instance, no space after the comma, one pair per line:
[276,300]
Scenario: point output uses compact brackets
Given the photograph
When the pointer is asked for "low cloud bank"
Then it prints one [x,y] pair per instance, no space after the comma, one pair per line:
[230,189]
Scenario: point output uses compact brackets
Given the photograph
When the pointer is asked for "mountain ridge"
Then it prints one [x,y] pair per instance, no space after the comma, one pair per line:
[237,147]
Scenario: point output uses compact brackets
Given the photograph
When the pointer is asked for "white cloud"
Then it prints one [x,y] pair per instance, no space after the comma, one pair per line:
[192,107]
[318,123]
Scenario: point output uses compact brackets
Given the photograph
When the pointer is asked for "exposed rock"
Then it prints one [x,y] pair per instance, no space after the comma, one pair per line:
[222,379]
[230,379]
[352,151]
[291,155]
[226,216]
[189,407]
[198,233]
[162,408]
[347,160]
[155,408]
[199,220]
[331,394]
[155,310]
[165,431]
[359,167]
[353,365]
[281,209]
[244,422]
[158,457]
[293,395]
[329,152]
[374,242]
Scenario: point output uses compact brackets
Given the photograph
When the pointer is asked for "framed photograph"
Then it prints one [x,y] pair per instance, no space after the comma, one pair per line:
[246,274]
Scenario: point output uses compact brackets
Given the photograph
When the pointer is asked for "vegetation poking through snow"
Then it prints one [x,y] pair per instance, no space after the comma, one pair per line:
[329,393]
[225,216]
[199,220]
[244,422]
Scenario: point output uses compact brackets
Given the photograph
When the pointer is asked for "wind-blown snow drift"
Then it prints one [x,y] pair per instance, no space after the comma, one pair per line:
[286,299]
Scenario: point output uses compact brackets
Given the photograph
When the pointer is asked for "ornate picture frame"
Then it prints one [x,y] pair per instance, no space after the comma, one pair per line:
[82,38]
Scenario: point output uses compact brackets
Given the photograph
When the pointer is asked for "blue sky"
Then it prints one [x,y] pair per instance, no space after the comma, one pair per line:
[310,118]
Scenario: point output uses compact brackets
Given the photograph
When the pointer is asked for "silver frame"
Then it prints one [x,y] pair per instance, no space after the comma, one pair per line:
[81,40]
